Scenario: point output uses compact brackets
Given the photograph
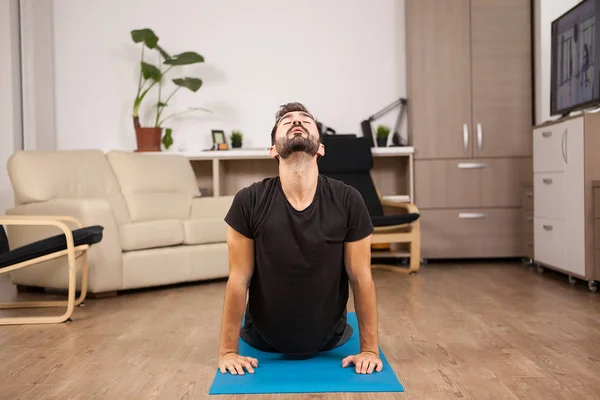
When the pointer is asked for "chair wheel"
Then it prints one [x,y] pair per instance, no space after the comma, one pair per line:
[592,286]
[572,280]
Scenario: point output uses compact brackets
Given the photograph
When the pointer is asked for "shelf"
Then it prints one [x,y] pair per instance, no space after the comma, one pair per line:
[263,153]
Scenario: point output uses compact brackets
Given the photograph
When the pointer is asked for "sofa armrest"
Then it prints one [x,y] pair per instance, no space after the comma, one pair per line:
[211,207]
[105,258]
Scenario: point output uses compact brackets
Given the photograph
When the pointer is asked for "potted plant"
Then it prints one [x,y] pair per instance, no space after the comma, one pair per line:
[150,138]
[236,139]
[382,135]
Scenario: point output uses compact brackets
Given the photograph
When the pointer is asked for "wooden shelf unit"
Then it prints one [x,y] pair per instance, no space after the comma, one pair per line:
[225,172]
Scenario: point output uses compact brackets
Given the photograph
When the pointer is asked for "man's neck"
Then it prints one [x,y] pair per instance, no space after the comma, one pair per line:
[299,175]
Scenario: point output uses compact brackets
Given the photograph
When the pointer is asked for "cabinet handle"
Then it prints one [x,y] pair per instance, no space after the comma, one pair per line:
[547,181]
[466,137]
[471,215]
[471,165]
[546,134]
[547,227]
[529,194]
[529,218]
[479,137]
[564,145]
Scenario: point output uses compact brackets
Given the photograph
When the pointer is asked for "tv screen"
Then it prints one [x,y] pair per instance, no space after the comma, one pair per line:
[574,81]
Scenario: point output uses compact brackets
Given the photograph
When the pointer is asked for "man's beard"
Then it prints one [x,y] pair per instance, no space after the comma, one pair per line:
[286,146]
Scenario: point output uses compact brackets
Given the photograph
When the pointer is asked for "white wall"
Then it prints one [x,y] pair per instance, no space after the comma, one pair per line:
[343,58]
[10,95]
[38,75]
[546,11]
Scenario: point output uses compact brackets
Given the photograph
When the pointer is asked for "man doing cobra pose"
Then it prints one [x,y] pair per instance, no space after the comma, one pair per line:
[296,242]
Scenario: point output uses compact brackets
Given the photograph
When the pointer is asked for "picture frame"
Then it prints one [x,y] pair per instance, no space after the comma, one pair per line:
[219,140]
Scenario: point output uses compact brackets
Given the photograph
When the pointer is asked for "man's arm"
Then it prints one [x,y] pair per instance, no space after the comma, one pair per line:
[241,268]
[358,266]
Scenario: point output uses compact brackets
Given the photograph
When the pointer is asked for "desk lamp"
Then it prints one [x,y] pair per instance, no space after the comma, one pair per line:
[366,124]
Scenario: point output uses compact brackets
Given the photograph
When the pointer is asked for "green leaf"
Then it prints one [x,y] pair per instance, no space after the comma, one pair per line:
[145,35]
[189,57]
[167,140]
[191,83]
[149,71]
[165,55]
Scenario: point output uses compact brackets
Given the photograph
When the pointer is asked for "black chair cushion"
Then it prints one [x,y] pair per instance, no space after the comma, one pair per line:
[390,220]
[3,240]
[365,186]
[88,235]
[350,160]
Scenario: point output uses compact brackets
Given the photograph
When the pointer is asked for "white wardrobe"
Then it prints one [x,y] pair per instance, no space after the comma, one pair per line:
[566,161]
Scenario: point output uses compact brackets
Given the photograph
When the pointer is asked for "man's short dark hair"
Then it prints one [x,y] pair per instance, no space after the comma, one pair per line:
[288,108]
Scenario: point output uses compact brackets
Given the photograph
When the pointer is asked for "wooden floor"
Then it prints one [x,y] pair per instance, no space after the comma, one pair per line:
[479,331]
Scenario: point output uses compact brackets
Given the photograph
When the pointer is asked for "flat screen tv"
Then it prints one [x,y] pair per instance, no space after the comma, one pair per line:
[575,59]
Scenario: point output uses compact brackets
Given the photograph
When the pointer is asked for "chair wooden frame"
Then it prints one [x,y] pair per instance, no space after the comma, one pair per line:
[70,252]
[404,233]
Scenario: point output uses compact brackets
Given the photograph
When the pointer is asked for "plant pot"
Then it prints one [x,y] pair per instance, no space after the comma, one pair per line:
[236,145]
[148,139]
[382,141]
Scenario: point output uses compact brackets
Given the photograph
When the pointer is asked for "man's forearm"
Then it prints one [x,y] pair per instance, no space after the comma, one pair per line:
[233,312]
[365,304]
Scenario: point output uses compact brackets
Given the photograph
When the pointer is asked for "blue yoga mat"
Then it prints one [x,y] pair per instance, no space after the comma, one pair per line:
[321,374]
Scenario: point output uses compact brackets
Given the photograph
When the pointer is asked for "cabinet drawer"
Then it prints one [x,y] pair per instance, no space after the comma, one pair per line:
[527,222]
[527,198]
[549,195]
[596,202]
[597,234]
[471,233]
[549,148]
[528,246]
[469,183]
[549,242]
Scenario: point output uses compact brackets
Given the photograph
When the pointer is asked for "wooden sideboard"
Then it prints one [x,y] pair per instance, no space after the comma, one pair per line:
[596,197]
[225,172]
[566,165]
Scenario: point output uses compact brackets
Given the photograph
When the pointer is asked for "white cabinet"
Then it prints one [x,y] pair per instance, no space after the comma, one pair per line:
[559,156]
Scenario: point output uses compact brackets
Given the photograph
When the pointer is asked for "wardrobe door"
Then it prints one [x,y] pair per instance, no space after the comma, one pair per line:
[439,78]
[501,77]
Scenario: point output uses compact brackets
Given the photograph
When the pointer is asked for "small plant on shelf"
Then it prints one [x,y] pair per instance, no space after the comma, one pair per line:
[382,135]
[150,138]
[236,139]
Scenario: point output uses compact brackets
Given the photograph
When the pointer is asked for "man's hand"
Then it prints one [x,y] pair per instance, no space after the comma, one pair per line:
[365,362]
[235,364]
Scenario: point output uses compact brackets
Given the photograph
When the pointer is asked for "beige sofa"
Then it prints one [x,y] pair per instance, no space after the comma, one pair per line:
[158,229]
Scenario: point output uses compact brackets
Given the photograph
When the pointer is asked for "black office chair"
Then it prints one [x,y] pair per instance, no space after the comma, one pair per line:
[70,243]
[349,159]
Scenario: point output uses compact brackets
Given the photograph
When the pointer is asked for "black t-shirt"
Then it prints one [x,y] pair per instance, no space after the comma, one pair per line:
[299,290]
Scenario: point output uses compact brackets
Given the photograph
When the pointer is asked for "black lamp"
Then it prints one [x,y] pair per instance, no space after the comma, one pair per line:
[366,124]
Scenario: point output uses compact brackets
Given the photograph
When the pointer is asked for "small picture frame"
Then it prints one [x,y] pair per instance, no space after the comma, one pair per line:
[219,141]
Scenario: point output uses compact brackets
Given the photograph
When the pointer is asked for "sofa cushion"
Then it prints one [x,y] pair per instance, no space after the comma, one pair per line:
[151,234]
[206,230]
[155,186]
[39,176]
